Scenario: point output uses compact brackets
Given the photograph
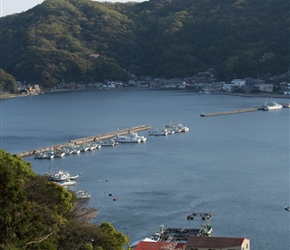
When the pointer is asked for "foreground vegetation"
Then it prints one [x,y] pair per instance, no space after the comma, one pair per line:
[38,214]
[90,41]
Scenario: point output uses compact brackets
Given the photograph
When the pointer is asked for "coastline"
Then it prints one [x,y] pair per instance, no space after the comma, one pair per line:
[262,95]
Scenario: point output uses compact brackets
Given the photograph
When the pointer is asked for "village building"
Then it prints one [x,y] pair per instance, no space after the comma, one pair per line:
[217,243]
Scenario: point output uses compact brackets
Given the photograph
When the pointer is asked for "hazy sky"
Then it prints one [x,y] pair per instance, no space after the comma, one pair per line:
[8,7]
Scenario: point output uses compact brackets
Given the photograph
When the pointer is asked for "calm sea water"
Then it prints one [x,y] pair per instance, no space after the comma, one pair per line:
[235,167]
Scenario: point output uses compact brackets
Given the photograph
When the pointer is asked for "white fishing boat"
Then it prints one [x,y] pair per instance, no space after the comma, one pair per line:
[126,139]
[75,150]
[61,175]
[81,194]
[135,135]
[109,142]
[84,148]
[182,128]
[272,106]
[66,182]
[171,129]
[43,155]
[67,150]
[158,132]
[59,154]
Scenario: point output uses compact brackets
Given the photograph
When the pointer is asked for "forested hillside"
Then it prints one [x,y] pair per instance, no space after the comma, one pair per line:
[83,40]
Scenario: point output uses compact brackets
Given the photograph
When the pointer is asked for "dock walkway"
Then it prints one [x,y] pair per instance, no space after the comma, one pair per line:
[87,139]
[231,112]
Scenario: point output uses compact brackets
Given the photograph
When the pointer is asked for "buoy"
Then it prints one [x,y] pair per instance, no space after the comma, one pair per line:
[110,194]
[114,199]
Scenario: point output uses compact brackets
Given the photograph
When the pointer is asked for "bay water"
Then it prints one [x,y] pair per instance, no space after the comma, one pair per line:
[235,167]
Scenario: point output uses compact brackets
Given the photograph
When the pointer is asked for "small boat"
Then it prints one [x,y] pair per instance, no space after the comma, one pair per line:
[158,132]
[61,175]
[75,150]
[126,139]
[182,128]
[84,148]
[273,106]
[66,182]
[81,194]
[59,154]
[287,208]
[109,142]
[287,105]
[172,129]
[135,135]
[67,150]
[43,155]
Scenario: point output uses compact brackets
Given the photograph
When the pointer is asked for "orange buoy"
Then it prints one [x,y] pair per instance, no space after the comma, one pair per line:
[114,199]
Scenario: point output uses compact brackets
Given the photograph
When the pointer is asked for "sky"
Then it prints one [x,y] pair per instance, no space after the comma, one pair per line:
[8,7]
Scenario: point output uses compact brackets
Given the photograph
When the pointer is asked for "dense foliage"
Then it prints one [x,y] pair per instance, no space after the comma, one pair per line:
[7,82]
[84,40]
[39,214]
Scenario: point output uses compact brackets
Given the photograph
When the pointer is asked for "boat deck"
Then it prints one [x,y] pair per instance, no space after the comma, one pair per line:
[178,234]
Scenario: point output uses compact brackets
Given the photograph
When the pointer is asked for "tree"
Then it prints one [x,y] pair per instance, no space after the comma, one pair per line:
[7,82]
[39,214]
[14,206]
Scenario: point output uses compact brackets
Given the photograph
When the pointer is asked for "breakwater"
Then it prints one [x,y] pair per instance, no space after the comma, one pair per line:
[87,139]
[231,112]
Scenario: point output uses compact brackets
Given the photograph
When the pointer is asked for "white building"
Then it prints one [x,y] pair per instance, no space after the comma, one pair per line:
[235,83]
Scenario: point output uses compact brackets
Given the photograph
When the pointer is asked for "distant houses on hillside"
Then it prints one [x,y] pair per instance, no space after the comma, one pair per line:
[204,82]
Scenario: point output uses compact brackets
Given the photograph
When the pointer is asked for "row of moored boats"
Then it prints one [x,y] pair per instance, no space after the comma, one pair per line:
[169,130]
[131,137]
[74,149]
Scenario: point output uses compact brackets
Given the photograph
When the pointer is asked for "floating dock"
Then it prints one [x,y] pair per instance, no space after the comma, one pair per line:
[87,139]
[240,111]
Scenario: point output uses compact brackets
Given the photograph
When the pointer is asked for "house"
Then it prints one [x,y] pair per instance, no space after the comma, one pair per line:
[217,243]
[147,245]
[235,83]
[265,87]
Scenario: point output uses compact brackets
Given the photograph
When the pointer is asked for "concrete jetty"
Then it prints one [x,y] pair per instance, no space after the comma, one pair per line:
[87,139]
[231,112]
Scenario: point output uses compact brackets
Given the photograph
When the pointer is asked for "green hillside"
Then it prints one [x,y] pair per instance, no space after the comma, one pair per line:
[89,41]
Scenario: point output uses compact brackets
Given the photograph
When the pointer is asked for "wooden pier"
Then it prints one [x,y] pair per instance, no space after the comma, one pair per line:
[240,111]
[87,139]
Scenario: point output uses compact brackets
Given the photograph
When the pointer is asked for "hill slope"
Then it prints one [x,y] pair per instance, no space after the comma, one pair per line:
[83,40]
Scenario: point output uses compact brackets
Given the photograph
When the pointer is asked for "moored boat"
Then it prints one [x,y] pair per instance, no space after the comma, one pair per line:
[135,135]
[43,155]
[182,128]
[158,132]
[66,182]
[61,175]
[59,154]
[273,106]
[126,139]
[81,194]
[109,142]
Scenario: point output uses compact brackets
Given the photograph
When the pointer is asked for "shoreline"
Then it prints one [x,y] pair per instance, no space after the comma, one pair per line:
[262,95]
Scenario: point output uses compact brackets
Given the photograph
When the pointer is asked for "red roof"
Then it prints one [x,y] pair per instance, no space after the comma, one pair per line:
[145,245]
[214,242]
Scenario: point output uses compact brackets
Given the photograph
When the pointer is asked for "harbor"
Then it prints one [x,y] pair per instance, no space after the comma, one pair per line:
[84,140]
